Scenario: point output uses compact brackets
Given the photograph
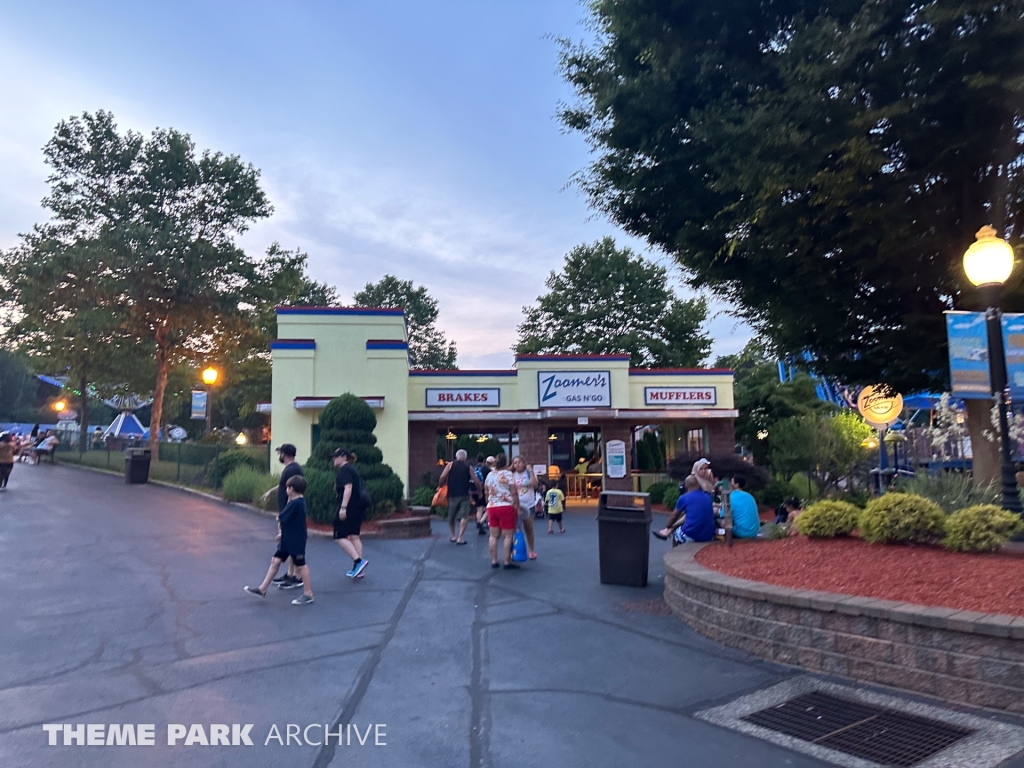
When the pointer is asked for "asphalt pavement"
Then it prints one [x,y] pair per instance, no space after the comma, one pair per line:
[124,605]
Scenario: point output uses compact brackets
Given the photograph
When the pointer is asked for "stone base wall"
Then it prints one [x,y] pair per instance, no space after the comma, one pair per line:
[961,656]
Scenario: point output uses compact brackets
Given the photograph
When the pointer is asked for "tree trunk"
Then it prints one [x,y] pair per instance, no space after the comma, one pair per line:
[986,451]
[157,413]
[83,412]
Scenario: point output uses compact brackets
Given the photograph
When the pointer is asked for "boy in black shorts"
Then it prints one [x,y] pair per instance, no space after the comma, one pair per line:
[291,542]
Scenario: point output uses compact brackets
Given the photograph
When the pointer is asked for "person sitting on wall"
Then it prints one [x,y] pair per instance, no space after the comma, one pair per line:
[745,522]
[694,516]
[787,510]
[46,447]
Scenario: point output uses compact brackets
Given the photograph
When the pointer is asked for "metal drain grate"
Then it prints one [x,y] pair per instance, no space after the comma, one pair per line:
[881,735]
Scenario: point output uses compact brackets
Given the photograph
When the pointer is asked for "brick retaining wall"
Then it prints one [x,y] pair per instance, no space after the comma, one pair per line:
[961,656]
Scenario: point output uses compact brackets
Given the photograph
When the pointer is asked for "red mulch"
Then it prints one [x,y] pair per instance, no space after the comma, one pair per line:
[369,526]
[991,583]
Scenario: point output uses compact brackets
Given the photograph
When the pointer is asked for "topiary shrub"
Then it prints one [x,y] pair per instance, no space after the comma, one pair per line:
[827,519]
[981,528]
[348,422]
[902,517]
[246,484]
[671,496]
[227,462]
[321,500]
[657,491]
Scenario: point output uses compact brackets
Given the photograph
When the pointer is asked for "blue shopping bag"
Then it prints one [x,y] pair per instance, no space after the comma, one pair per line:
[519,547]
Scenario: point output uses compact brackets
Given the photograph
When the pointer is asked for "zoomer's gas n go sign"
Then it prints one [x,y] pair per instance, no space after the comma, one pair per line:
[680,396]
[574,389]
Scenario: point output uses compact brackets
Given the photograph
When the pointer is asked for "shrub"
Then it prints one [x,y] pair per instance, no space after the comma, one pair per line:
[348,422]
[321,500]
[950,490]
[423,496]
[657,490]
[858,498]
[827,519]
[775,531]
[774,493]
[227,462]
[902,517]
[671,496]
[246,484]
[981,528]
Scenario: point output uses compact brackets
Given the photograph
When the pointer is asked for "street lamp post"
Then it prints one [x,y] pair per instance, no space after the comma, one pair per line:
[988,264]
[210,375]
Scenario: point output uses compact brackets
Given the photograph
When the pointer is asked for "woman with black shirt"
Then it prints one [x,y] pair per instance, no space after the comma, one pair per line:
[349,487]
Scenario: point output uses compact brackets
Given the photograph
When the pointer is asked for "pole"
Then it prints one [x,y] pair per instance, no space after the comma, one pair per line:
[997,373]
[209,410]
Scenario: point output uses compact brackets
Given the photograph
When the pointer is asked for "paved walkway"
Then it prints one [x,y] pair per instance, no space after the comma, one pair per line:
[124,604]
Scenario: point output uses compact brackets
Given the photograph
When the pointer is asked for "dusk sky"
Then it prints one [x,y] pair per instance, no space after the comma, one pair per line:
[411,138]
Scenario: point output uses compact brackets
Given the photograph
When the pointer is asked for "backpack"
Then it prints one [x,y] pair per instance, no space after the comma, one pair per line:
[365,499]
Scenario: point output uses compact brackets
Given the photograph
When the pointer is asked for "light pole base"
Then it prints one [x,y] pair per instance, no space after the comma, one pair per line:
[1011,495]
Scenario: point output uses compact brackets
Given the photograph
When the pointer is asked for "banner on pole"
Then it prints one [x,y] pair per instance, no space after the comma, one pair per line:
[198,405]
[1013,343]
[968,355]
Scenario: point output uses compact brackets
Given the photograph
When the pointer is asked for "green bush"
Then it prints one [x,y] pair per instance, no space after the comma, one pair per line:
[657,490]
[774,493]
[981,528]
[858,498]
[827,519]
[228,461]
[902,517]
[423,496]
[348,422]
[950,490]
[671,496]
[246,484]
[774,531]
[321,500]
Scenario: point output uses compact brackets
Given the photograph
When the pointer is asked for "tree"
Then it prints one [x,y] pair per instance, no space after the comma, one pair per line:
[822,165]
[154,222]
[348,422]
[608,300]
[763,400]
[51,285]
[827,447]
[428,348]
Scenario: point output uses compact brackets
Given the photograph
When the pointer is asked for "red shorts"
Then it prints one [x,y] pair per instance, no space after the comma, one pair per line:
[502,518]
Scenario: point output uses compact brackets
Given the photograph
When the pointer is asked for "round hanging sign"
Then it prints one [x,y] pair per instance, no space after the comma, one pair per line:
[879,406]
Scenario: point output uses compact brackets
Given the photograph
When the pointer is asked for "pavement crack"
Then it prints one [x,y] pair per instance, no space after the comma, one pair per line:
[369,666]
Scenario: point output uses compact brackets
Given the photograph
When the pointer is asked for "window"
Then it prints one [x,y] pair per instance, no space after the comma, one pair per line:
[695,441]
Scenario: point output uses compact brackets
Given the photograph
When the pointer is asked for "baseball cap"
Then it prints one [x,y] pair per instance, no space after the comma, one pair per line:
[491,461]
[338,452]
[286,449]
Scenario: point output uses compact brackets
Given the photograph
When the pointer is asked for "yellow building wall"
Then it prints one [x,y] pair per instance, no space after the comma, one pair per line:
[293,371]
[507,386]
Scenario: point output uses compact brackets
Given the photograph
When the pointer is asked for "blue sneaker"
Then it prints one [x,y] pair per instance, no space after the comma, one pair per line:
[358,570]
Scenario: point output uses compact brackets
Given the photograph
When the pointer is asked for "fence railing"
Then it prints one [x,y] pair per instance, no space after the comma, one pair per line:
[191,464]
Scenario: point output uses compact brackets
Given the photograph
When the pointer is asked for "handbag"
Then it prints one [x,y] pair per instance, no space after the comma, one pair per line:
[519,546]
[440,497]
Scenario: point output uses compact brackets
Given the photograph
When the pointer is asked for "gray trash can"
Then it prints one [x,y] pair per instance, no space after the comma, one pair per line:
[136,465]
[624,537]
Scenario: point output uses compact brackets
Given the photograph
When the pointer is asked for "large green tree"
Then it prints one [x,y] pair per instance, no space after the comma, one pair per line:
[428,348]
[154,223]
[821,164]
[609,300]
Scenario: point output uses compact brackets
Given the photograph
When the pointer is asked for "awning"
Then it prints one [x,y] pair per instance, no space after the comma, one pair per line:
[638,416]
[319,403]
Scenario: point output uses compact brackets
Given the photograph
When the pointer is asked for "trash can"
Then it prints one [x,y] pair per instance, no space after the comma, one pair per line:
[136,465]
[624,537]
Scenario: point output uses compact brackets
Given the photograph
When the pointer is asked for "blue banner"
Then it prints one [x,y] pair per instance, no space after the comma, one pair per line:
[198,405]
[968,355]
[1013,343]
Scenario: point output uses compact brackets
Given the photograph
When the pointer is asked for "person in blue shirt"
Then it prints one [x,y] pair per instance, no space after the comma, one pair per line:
[694,518]
[745,522]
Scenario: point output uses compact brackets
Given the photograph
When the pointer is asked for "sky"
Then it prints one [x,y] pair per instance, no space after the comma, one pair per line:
[412,138]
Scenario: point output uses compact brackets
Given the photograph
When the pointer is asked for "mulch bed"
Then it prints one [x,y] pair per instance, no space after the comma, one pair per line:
[368,526]
[991,583]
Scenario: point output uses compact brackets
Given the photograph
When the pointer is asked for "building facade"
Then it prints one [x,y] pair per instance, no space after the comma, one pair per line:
[539,408]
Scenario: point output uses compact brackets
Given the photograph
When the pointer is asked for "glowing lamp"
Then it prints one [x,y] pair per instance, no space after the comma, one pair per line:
[60,406]
[241,439]
[210,376]
[989,260]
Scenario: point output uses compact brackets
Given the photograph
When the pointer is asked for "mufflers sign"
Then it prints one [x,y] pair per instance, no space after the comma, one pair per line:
[574,389]
[680,396]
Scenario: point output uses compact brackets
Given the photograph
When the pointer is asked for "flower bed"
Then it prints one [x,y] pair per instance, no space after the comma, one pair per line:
[926,575]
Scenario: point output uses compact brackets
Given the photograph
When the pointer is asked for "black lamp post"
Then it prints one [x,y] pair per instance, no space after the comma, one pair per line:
[988,263]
